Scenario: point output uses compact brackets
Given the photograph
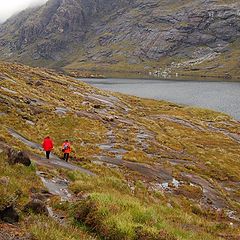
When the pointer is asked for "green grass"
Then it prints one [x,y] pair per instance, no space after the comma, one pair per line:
[118,216]
[111,210]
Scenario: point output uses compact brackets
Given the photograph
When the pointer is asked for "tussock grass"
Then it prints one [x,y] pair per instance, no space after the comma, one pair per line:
[110,209]
[16,182]
[42,228]
[87,184]
[119,216]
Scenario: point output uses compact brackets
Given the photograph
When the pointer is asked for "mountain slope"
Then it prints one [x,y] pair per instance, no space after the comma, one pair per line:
[162,171]
[169,36]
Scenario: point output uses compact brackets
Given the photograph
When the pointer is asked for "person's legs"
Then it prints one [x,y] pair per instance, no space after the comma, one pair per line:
[64,156]
[47,154]
[67,156]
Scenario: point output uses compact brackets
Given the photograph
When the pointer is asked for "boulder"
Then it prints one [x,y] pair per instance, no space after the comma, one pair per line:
[108,118]
[38,83]
[36,206]
[97,106]
[9,215]
[15,157]
[35,110]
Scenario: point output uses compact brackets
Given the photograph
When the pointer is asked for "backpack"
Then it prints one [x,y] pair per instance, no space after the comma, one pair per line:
[65,147]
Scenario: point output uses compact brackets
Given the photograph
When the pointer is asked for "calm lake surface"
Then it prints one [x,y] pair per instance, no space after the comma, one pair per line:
[219,96]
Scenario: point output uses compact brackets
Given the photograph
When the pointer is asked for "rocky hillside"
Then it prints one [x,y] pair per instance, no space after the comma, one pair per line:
[183,37]
[140,168]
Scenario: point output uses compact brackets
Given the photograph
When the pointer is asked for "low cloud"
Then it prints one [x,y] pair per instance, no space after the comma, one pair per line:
[10,7]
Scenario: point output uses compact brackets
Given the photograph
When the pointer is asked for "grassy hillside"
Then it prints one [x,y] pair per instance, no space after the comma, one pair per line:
[162,171]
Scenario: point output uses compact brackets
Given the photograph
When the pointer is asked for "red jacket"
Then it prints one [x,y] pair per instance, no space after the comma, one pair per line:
[47,144]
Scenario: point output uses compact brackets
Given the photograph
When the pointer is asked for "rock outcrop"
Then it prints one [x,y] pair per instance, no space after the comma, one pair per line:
[175,34]
[21,157]
[9,215]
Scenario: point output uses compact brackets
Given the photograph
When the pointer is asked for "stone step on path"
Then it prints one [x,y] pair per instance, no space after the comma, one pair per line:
[55,161]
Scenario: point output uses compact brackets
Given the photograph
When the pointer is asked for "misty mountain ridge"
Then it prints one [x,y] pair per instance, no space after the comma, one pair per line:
[9,10]
[186,37]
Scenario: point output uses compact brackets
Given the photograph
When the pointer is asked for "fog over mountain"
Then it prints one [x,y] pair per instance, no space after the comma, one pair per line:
[10,7]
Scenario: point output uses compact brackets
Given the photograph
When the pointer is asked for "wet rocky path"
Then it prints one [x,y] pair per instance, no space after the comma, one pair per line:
[55,161]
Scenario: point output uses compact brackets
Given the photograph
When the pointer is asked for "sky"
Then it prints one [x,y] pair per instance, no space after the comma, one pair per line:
[9,7]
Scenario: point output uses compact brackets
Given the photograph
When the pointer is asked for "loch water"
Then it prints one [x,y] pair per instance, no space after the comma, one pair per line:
[216,95]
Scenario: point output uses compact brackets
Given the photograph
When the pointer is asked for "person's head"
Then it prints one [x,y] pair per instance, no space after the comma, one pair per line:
[47,137]
[66,140]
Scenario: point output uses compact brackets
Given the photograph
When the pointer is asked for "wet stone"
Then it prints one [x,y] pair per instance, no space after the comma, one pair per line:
[55,161]
[34,102]
[61,110]
[78,93]
[8,90]
[30,122]
[24,140]
[56,186]
[104,164]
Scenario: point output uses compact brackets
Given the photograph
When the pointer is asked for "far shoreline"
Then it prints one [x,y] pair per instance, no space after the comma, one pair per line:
[105,74]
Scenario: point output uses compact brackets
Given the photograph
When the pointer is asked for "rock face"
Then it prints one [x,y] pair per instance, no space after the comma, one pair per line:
[15,157]
[111,32]
[50,28]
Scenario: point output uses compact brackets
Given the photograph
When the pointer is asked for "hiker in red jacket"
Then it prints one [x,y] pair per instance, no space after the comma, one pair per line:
[47,146]
[66,149]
